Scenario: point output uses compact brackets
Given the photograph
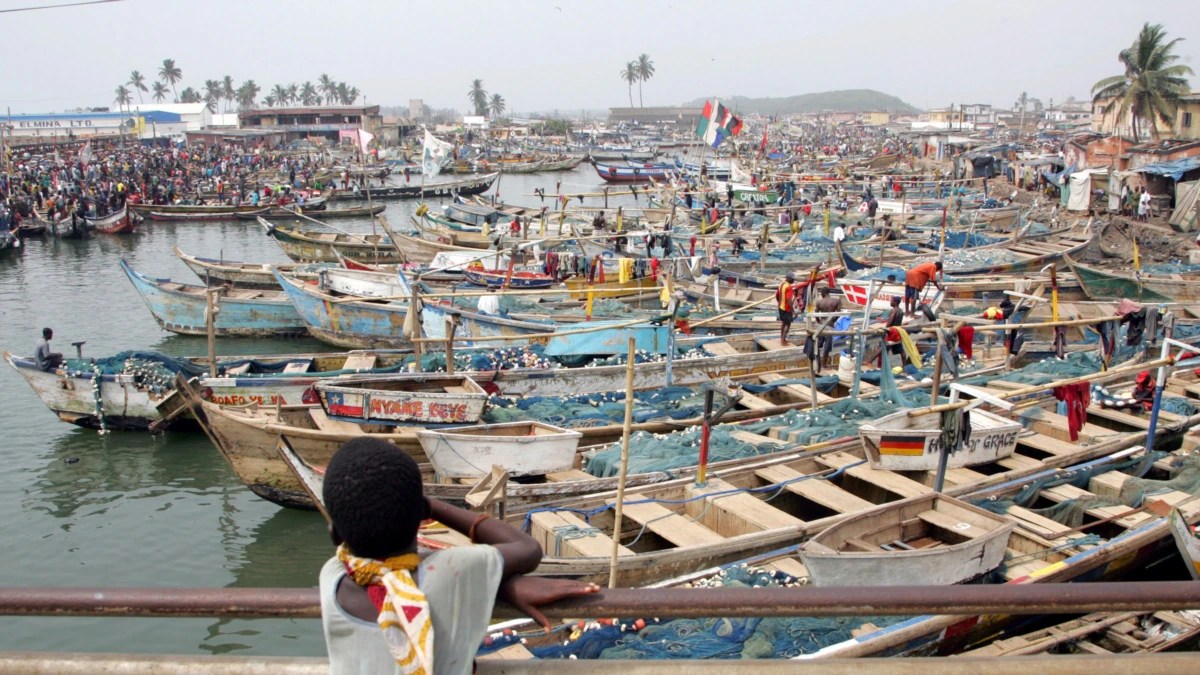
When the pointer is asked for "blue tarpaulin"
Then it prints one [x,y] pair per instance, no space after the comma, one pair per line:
[1173,169]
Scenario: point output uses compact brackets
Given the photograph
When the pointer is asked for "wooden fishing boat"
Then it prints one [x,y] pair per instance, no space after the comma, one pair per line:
[494,278]
[522,448]
[469,186]
[290,214]
[325,246]
[437,399]
[902,442]
[930,539]
[614,173]
[1101,284]
[121,222]
[579,287]
[1130,539]
[64,228]
[244,274]
[31,228]
[1026,255]
[181,308]
[168,210]
[1102,633]
[1188,542]
[204,216]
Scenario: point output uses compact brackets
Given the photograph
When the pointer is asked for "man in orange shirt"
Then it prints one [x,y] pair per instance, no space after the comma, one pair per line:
[916,280]
[785,300]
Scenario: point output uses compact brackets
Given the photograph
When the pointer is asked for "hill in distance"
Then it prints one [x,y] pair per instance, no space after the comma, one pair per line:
[845,100]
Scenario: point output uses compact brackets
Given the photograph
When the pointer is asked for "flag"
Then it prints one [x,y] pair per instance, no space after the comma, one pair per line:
[434,155]
[364,139]
[717,123]
[763,146]
[85,155]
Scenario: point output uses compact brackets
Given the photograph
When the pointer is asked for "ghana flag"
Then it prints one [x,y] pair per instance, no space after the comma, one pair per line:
[717,123]
[907,446]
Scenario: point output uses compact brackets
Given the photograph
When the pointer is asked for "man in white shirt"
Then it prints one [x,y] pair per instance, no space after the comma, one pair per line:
[489,303]
[839,234]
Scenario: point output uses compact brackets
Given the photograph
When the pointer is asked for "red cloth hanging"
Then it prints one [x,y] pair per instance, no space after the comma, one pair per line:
[1077,397]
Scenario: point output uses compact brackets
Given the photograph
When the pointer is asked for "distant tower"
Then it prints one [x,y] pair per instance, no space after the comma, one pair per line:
[416,108]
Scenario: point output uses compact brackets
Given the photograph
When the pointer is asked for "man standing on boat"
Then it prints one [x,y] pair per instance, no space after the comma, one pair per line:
[785,299]
[46,360]
[916,280]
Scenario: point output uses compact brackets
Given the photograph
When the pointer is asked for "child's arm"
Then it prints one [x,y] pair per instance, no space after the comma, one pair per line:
[520,552]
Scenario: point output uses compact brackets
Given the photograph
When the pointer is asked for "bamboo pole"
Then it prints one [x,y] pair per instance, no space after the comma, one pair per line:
[624,472]
[210,321]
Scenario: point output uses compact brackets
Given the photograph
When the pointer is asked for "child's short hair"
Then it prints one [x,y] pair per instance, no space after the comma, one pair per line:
[374,497]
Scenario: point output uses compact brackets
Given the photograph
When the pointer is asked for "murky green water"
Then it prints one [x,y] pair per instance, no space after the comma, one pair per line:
[134,510]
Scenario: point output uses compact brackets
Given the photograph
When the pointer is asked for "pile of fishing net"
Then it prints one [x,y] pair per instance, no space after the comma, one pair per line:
[664,452]
[1074,364]
[961,240]
[587,410]
[149,370]
[715,638]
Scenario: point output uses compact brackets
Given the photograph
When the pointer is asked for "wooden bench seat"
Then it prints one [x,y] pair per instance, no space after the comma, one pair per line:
[333,426]
[815,490]
[569,475]
[952,524]
[359,362]
[887,480]
[1041,525]
[679,530]
[551,529]
[735,513]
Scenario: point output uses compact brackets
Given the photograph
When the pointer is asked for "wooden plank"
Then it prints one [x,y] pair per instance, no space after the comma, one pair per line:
[755,439]
[752,402]
[359,362]
[735,513]
[569,475]
[514,652]
[721,349]
[669,525]
[888,480]
[454,389]
[1047,444]
[815,489]
[789,566]
[952,524]
[1046,527]
[553,530]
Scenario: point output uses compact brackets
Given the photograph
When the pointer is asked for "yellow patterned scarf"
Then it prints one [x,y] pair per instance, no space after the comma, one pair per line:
[404,616]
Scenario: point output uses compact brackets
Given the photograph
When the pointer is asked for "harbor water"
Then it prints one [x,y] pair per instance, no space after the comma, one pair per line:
[130,509]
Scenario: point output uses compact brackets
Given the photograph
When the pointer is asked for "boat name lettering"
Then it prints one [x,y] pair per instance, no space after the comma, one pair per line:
[238,399]
[450,412]
[988,442]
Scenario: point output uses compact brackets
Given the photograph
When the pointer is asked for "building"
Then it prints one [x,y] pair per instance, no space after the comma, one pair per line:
[145,124]
[876,118]
[319,121]
[247,138]
[1113,123]
[940,118]
[977,115]
[194,116]
[1187,117]
[653,115]
[417,109]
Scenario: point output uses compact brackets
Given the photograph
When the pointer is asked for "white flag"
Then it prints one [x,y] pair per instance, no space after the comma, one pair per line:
[85,155]
[434,155]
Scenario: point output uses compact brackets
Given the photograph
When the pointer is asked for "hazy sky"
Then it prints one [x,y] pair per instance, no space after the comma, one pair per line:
[564,54]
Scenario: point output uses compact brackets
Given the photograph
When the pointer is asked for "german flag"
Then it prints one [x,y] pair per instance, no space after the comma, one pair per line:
[902,445]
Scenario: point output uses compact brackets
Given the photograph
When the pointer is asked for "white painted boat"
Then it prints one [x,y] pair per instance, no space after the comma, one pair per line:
[361,283]
[457,261]
[121,400]
[931,540]
[900,442]
[522,448]
[1187,541]
[448,399]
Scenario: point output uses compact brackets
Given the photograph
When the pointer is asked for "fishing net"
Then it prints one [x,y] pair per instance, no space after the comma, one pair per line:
[587,410]
[714,638]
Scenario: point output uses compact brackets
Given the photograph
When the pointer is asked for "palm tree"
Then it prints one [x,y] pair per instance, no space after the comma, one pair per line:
[327,86]
[123,97]
[630,74]
[228,91]
[270,100]
[171,74]
[496,105]
[478,97]
[190,95]
[645,71]
[138,82]
[352,94]
[308,94]
[246,94]
[160,91]
[1149,90]
[293,90]
[341,93]
[280,93]
[212,93]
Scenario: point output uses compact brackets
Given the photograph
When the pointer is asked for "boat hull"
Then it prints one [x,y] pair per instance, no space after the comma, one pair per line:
[917,449]
[459,454]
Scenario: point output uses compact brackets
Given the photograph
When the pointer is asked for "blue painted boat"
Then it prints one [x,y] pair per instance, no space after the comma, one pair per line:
[613,173]
[479,276]
[608,342]
[354,324]
[180,308]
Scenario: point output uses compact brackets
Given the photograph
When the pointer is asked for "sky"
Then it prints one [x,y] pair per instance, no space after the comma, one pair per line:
[566,55]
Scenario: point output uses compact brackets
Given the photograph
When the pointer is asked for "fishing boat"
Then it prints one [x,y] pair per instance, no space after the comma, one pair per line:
[930,539]
[31,228]
[182,308]
[469,186]
[9,242]
[1188,542]
[1101,284]
[1024,256]
[437,399]
[204,216]
[1101,633]
[477,275]
[215,272]
[521,448]
[613,173]
[906,442]
[121,222]
[323,214]
[169,210]
[325,246]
